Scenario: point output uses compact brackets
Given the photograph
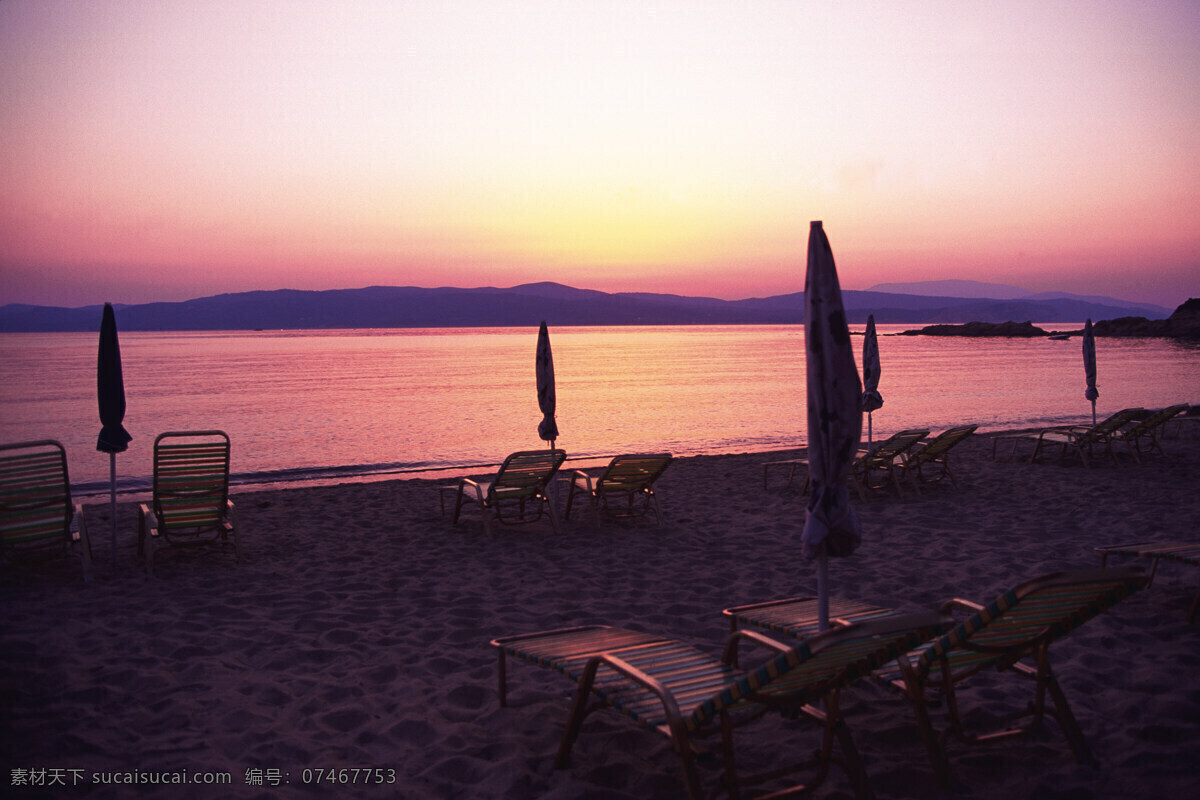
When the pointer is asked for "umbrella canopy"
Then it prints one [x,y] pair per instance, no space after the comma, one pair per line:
[547,428]
[871,398]
[834,415]
[110,388]
[1089,366]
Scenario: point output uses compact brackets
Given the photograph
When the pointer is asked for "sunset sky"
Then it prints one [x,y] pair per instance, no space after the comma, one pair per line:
[171,149]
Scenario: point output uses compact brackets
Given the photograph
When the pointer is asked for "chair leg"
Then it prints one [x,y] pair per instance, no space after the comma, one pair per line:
[233,531]
[579,710]
[1066,719]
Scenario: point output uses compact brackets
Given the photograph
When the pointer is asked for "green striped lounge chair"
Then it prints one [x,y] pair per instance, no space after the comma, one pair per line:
[934,457]
[1142,436]
[190,504]
[678,691]
[885,462]
[1083,440]
[1179,552]
[37,517]
[625,489]
[518,493]
[1013,633]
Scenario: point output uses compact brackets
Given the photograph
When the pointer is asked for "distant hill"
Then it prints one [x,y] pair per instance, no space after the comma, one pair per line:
[527,305]
[1000,291]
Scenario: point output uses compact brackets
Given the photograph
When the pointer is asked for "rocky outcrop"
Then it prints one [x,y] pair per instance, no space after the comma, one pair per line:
[1025,330]
[1184,323]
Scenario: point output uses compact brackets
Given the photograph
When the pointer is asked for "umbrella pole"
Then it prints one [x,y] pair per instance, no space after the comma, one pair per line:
[823,593]
[112,503]
[1093,413]
[870,444]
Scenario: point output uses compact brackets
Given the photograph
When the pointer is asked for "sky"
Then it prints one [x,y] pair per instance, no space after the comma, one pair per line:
[171,149]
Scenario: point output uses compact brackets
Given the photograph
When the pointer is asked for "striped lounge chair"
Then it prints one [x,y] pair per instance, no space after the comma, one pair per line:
[934,456]
[625,489]
[887,459]
[1181,552]
[1083,440]
[685,694]
[37,517]
[517,494]
[190,504]
[1012,633]
[1142,436]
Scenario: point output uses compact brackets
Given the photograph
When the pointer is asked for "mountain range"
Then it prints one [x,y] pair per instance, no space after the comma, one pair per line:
[528,304]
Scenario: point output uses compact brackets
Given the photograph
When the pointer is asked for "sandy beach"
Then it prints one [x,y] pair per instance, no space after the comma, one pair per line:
[356,633]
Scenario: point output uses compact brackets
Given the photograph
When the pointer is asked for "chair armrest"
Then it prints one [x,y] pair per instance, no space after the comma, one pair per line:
[730,655]
[623,667]
[964,605]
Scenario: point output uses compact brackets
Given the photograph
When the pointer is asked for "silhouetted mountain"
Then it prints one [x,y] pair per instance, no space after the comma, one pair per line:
[527,305]
[998,291]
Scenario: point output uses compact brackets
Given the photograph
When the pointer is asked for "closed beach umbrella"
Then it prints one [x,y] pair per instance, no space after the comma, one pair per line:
[110,391]
[547,428]
[871,398]
[1089,366]
[834,417]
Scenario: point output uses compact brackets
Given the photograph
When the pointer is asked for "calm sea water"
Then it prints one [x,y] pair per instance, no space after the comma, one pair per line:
[337,404]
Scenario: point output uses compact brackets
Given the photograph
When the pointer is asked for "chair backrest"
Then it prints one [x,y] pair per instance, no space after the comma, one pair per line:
[1108,427]
[896,445]
[191,478]
[1034,613]
[824,662]
[1150,423]
[526,473]
[632,473]
[35,496]
[942,443]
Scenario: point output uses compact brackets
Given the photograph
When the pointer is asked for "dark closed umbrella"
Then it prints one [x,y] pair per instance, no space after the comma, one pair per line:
[1089,367]
[834,417]
[110,392]
[547,428]
[871,398]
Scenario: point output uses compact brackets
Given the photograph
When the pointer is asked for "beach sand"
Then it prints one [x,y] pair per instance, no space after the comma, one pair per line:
[356,635]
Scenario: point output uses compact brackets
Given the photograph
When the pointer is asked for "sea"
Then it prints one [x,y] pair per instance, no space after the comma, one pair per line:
[320,406]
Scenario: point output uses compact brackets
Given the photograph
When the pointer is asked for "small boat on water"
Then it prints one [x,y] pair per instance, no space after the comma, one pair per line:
[1059,337]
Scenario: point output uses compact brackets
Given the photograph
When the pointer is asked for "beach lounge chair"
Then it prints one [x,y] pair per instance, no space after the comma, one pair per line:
[1182,552]
[1013,633]
[517,494]
[1145,432]
[792,464]
[887,459]
[190,503]
[934,456]
[37,517]
[687,695]
[1082,440]
[625,489]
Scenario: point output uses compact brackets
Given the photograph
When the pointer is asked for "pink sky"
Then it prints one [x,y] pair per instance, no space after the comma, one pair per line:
[170,149]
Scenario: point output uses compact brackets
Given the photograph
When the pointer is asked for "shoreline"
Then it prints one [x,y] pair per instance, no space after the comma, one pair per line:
[355,635]
[245,482]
